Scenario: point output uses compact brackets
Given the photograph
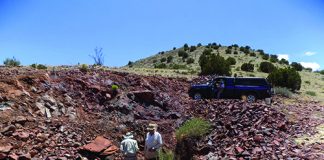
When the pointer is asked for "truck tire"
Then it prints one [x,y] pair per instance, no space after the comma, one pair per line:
[250,98]
[197,96]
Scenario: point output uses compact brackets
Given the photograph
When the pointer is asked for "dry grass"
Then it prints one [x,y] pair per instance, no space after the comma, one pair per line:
[311,139]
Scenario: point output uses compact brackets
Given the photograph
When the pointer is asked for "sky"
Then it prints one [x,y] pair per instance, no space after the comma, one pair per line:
[66,32]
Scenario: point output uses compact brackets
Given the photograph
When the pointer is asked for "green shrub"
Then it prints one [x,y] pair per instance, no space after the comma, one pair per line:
[167,155]
[296,66]
[11,62]
[213,64]
[174,48]
[308,69]
[154,61]
[228,51]
[231,60]
[163,59]
[284,61]
[285,77]
[185,47]
[192,48]
[114,87]
[261,52]
[283,92]
[193,128]
[247,67]
[34,65]
[311,93]
[307,82]
[273,58]
[177,66]
[252,54]
[161,65]
[130,63]
[321,72]
[41,66]
[84,68]
[265,56]
[199,45]
[267,67]
[169,59]
[190,60]
[235,52]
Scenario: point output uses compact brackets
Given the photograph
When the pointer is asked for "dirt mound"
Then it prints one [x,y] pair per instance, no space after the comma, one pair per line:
[52,115]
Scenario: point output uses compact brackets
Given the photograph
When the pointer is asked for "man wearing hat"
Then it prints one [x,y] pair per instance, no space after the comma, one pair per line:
[153,142]
[129,147]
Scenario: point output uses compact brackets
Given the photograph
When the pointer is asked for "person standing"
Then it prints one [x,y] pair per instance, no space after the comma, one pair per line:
[220,88]
[153,142]
[129,147]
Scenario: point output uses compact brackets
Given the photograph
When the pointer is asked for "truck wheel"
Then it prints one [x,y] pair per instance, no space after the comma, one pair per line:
[250,98]
[197,96]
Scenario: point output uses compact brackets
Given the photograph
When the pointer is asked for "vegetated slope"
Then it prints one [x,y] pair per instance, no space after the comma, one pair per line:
[50,116]
[178,67]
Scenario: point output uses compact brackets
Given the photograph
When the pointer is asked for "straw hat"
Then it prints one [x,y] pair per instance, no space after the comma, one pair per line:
[129,135]
[152,126]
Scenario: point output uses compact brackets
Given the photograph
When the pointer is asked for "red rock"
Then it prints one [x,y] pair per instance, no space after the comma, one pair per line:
[256,150]
[239,149]
[21,136]
[13,156]
[5,149]
[276,142]
[25,157]
[258,138]
[3,156]
[98,145]
[109,151]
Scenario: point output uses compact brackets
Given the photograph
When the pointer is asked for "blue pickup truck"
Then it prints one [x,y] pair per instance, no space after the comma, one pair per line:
[233,88]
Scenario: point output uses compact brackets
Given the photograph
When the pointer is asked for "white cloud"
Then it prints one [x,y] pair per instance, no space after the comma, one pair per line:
[309,53]
[283,56]
[315,66]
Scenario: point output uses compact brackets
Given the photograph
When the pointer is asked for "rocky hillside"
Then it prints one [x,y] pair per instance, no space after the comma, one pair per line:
[71,114]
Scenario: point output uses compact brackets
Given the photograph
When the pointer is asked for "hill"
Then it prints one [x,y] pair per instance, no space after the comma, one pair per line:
[177,66]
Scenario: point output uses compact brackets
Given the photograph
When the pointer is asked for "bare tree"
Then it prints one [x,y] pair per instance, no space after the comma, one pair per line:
[98,57]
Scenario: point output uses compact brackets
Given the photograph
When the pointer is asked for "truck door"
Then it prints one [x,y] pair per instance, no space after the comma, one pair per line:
[229,88]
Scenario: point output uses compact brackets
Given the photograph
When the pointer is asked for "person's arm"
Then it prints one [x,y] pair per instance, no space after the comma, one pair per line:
[159,140]
[136,146]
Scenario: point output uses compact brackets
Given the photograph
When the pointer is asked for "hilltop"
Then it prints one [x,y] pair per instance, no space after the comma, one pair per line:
[173,64]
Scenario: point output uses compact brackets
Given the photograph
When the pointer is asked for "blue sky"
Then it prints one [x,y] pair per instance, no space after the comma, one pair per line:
[56,32]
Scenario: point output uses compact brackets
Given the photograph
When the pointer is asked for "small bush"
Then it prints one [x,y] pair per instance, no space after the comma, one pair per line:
[261,52]
[181,53]
[252,54]
[11,62]
[169,59]
[231,60]
[213,64]
[307,82]
[228,51]
[190,60]
[154,61]
[321,72]
[285,77]
[114,87]
[199,45]
[185,47]
[296,66]
[84,68]
[284,61]
[309,69]
[247,67]
[167,155]
[177,66]
[34,65]
[161,65]
[311,93]
[267,67]
[265,56]
[163,59]
[283,92]
[195,127]
[41,66]
[192,48]
[174,48]
[235,52]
